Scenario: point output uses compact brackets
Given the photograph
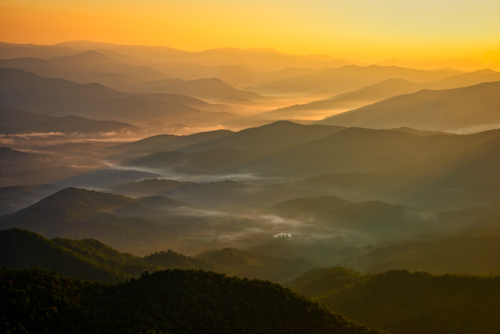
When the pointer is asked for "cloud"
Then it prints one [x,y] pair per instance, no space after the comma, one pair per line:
[33,134]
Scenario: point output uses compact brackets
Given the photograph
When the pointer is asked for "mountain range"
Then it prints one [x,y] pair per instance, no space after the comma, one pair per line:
[347,78]
[467,109]
[59,97]
[16,121]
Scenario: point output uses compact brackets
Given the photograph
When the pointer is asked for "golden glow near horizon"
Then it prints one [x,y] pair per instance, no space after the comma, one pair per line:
[384,28]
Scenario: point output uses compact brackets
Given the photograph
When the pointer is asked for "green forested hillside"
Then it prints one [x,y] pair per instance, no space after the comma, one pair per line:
[86,259]
[92,260]
[36,301]
[408,303]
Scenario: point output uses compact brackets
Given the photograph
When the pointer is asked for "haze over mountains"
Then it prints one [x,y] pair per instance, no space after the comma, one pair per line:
[60,97]
[142,165]
[348,78]
[467,109]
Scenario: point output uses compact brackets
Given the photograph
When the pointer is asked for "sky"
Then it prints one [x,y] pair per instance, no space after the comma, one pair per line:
[406,29]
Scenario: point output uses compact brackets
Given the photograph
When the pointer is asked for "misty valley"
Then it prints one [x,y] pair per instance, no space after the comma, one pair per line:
[153,190]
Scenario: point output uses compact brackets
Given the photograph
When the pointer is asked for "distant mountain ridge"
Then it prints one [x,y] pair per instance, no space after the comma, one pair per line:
[347,78]
[59,97]
[19,121]
[207,88]
[471,109]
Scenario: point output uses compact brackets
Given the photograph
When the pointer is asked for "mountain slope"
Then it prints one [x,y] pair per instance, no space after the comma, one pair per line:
[20,121]
[92,260]
[209,88]
[362,150]
[461,109]
[398,301]
[94,61]
[214,161]
[85,259]
[468,253]
[59,97]
[77,213]
[275,135]
[463,176]
[12,117]
[164,302]
[349,100]
[168,142]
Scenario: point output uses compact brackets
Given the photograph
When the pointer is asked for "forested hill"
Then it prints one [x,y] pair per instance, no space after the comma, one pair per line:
[175,302]
[408,303]
[92,260]
[87,259]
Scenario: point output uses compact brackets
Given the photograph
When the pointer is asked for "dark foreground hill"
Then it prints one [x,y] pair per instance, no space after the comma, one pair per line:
[36,301]
[408,303]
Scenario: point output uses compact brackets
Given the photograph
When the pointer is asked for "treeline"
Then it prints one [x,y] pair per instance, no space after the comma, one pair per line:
[172,301]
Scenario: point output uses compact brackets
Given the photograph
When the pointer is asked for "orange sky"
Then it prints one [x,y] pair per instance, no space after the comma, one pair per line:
[384,28]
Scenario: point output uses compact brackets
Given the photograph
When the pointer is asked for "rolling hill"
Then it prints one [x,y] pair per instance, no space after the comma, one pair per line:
[172,301]
[207,88]
[59,97]
[19,121]
[398,301]
[92,260]
[355,150]
[213,161]
[167,142]
[279,134]
[464,176]
[77,213]
[85,259]
[468,253]
[347,101]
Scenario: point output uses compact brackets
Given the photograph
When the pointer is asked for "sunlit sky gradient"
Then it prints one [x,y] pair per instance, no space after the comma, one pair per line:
[378,28]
